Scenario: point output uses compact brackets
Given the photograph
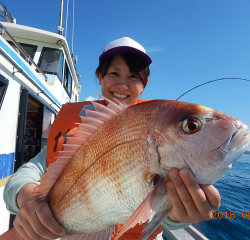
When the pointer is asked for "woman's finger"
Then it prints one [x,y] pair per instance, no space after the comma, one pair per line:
[177,206]
[46,217]
[212,194]
[32,226]
[21,231]
[182,191]
[27,231]
[195,191]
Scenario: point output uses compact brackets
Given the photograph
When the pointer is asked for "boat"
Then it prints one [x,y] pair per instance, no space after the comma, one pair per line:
[37,75]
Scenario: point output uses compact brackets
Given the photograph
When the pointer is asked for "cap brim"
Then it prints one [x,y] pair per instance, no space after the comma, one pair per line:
[125,49]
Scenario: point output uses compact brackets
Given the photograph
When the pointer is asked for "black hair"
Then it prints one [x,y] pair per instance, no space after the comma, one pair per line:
[135,63]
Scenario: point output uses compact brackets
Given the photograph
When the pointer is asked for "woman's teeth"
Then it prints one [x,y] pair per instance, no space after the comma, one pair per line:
[119,95]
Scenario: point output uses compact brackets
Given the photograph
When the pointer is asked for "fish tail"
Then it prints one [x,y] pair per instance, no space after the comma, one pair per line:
[12,234]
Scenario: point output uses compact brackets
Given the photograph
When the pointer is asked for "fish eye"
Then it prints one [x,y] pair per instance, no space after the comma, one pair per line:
[191,125]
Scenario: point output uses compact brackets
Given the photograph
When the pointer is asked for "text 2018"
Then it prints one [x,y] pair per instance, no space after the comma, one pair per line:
[231,215]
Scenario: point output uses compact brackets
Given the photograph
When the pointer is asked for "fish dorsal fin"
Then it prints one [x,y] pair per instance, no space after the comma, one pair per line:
[115,106]
[90,123]
[146,210]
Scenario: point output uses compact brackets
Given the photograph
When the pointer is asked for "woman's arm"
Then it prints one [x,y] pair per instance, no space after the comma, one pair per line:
[40,224]
[28,173]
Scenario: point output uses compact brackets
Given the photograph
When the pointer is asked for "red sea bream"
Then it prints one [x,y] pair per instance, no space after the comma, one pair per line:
[117,175]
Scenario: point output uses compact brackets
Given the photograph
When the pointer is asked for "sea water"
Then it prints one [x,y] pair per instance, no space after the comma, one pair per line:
[232,220]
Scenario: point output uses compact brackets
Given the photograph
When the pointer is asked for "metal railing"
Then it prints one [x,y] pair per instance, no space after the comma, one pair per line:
[188,233]
[3,31]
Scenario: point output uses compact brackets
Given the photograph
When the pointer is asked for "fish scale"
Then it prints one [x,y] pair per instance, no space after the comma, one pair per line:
[117,191]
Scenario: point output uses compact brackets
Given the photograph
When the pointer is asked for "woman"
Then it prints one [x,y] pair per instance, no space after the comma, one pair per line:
[123,74]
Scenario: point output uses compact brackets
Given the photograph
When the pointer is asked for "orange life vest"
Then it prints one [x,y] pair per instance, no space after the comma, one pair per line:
[61,129]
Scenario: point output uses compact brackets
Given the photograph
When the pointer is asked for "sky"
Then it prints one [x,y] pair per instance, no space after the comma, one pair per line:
[190,42]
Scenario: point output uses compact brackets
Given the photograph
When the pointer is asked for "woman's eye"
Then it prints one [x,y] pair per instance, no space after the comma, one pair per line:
[114,73]
[191,125]
[133,76]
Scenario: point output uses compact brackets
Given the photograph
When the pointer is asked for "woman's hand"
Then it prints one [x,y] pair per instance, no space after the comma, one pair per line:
[39,225]
[192,203]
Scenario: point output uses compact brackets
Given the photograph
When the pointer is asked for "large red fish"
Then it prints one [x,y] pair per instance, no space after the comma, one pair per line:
[113,171]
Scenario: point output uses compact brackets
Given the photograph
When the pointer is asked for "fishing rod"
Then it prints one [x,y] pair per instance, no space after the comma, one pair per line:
[219,79]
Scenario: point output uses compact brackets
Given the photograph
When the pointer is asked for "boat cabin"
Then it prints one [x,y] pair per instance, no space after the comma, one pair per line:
[37,76]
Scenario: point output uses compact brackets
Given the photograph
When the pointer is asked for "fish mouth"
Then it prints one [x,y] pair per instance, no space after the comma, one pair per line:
[239,139]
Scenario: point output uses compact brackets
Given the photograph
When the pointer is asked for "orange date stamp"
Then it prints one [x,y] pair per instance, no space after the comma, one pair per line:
[231,215]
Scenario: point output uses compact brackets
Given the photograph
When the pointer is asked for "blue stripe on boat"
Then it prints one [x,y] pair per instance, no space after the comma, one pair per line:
[6,165]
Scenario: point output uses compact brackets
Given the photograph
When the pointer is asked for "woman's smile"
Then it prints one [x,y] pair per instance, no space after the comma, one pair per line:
[118,95]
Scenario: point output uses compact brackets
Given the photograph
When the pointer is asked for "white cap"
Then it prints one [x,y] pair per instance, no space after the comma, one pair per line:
[125,45]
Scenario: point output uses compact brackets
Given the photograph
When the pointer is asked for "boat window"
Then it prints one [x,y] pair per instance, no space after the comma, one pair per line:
[51,61]
[60,68]
[3,88]
[67,79]
[28,48]
[48,119]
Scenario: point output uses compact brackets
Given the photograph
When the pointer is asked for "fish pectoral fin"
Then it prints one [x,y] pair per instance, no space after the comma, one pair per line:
[151,226]
[102,235]
[147,209]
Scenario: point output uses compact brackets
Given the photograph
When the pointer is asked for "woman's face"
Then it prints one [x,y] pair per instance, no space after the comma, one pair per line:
[120,83]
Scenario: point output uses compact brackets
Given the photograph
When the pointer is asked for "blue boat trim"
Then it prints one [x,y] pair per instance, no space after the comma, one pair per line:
[22,65]
[6,165]
[163,237]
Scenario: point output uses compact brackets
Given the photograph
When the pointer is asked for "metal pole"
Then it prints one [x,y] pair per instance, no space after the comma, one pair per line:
[5,15]
[2,30]
[60,29]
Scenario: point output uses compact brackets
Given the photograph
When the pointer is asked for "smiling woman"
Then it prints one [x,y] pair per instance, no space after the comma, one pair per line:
[120,82]
[123,70]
